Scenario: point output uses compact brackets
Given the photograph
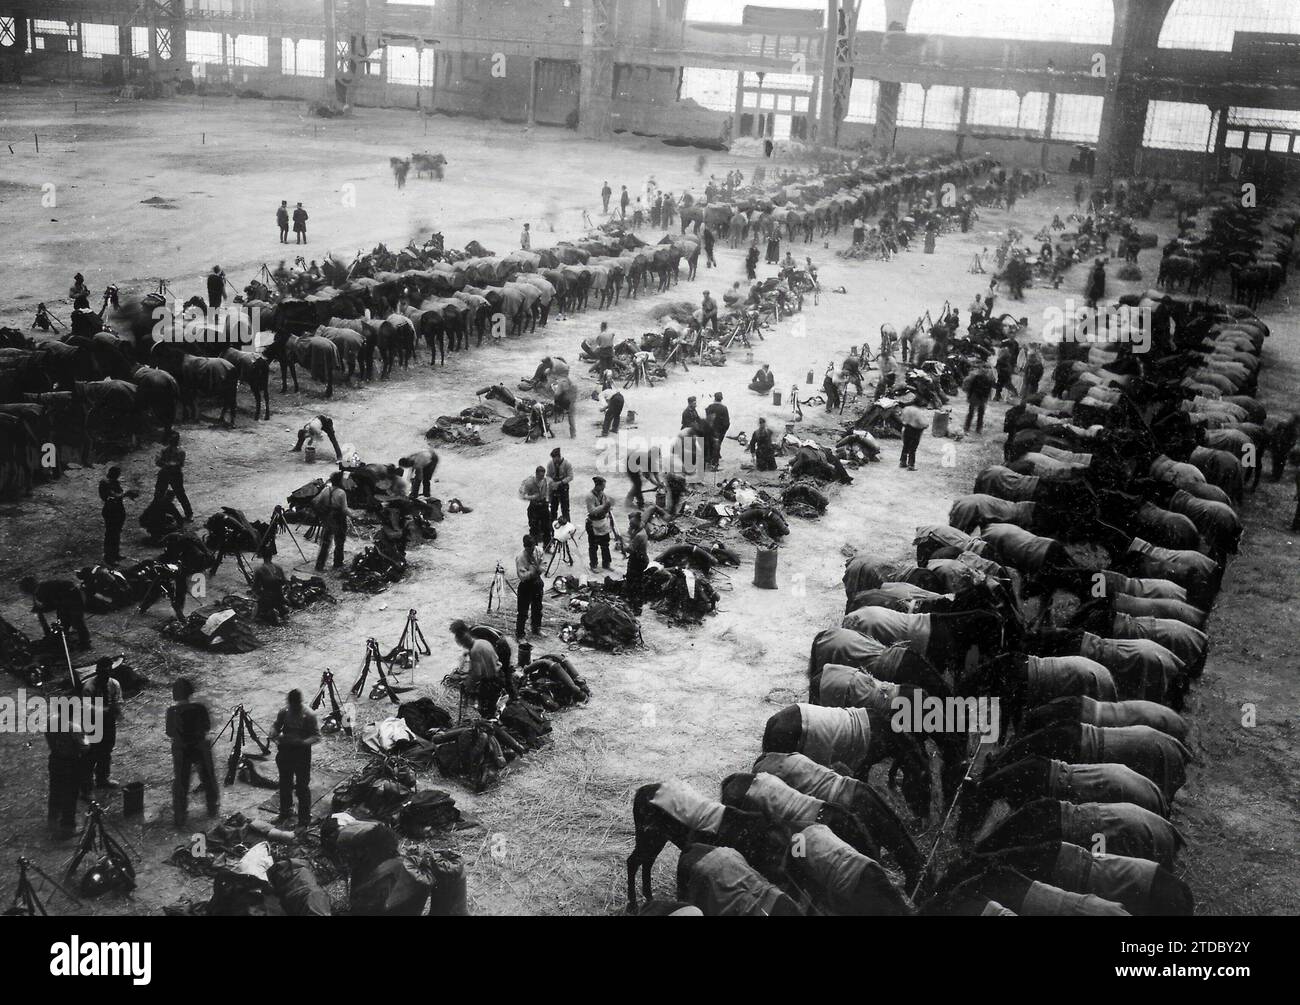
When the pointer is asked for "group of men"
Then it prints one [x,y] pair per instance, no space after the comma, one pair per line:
[66,599]
[299,216]
[80,762]
[711,427]
[660,207]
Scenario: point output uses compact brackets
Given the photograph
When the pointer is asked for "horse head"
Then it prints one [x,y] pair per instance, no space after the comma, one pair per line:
[911,763]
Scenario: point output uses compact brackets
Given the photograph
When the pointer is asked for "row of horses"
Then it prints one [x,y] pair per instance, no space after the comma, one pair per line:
[1073,588]
[1254,247]
[821,206]
[113,374]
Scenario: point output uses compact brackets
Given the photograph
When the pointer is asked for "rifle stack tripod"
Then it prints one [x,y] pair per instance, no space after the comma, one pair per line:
[337,718]
[403,656]
[27,902]
[95,837]
[241,725]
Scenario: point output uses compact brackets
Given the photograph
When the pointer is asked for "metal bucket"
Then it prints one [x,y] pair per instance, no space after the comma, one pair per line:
[133,799]
[309,454]
[939,424]
[765,569]
[776,398]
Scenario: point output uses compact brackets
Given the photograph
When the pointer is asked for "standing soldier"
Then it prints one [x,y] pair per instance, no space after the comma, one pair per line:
[171,473]
[708,237]
[104,688]
[1006,364]
[69,759]
[719,420]
[605,193]
[295,731]
[978,385]
[600,524]
[613,406]
[534,490]
[331,506]
[637,560]
[709,312]
[623,200]
[559,474]
[1033,372]
[300,225]
[268,590]
[528,567]
[111,495]
[282,221]
[525,239]
[914,423]
[216,287]
[760,445]
[188,725]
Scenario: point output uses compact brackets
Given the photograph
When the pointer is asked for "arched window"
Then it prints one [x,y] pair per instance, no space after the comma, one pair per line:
[1029,20]
[1210,24]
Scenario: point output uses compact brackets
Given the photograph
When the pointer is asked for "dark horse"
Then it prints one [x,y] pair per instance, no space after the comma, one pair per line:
[749,833]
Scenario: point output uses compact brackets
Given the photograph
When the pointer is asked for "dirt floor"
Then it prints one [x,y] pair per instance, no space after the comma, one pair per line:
[557,829]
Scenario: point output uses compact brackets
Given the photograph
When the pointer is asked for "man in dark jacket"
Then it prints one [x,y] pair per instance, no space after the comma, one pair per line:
[216,287]
[188,724]
[171,473]
[528,567]
[300,225]
[282,221]
[1096,288]
[637,560]
[691,418]
[1006,364]
[268,584]
[69,765]
[331,505]
[709,312]
[111,495]
[764,380]
[719,420]
[1033,372]
[295,732]
[535,490]
[978,386]
[105,688]
[708,239]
